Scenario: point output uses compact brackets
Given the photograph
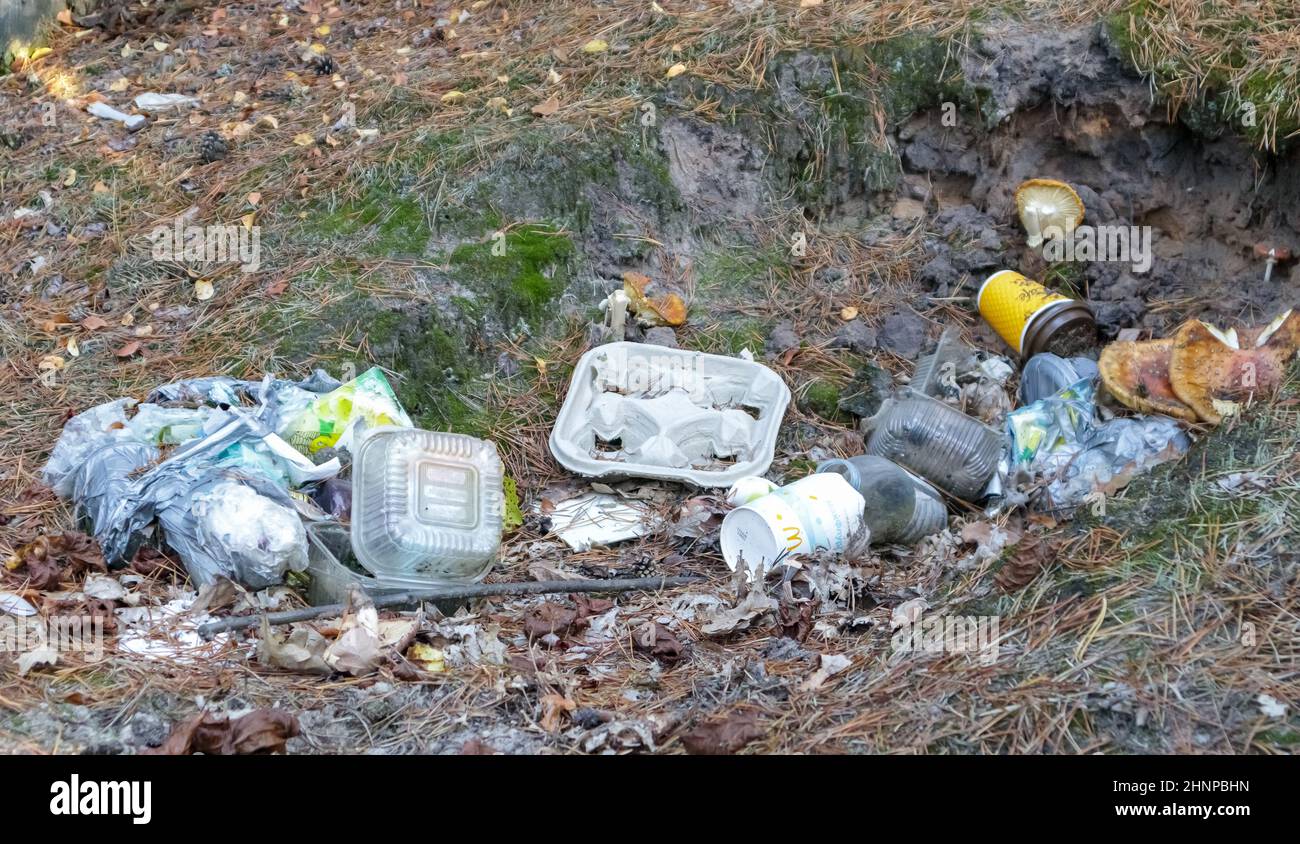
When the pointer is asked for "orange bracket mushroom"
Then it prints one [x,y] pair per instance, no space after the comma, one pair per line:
[1213,371]
[1137,374]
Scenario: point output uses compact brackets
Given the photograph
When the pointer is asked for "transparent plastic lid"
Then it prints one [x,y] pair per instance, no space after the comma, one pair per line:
[426,504]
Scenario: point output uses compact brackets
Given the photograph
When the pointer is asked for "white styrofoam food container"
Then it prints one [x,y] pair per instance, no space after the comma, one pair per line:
[426,505]
[646,411]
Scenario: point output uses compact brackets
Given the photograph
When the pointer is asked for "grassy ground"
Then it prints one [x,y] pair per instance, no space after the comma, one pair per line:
[1142,636]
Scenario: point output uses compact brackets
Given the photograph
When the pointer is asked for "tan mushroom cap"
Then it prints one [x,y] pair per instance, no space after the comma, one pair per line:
[1043,203]
[1137,374]
[1213,371]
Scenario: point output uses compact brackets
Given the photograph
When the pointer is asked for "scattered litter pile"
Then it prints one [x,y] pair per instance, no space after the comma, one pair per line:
[261,488]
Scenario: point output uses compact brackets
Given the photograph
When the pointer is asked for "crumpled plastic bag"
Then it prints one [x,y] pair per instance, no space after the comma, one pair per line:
[102,485]
[84,434]
[220,491]
[1063,441]
[274,401]
[245,528]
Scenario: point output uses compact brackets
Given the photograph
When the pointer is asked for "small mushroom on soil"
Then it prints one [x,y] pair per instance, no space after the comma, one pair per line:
[1044,204]
[1273,255]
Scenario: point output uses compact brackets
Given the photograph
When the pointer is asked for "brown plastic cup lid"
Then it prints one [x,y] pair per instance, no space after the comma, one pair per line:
[1051,330]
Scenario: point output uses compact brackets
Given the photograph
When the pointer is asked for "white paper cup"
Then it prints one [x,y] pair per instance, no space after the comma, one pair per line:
[821,511]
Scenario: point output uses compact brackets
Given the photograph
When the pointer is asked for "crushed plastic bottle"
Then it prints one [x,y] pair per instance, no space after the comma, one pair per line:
[955,452]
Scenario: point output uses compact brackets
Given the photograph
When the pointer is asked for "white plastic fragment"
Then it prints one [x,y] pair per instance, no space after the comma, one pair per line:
[15,605]
[161,102]
[168,632]
[103,588]
[616,313]
[107,112]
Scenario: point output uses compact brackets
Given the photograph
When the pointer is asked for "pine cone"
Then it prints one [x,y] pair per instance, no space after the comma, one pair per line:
[323,65]
[212,147]
[1023,563]
[643,567]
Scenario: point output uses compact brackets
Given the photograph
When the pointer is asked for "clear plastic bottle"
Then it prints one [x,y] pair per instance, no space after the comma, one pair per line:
[900,507]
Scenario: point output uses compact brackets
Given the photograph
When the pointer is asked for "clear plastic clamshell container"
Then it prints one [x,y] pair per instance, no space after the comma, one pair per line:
[332,566]
[426,505]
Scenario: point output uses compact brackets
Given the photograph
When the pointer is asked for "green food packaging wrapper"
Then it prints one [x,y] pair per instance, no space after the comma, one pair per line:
[331,419]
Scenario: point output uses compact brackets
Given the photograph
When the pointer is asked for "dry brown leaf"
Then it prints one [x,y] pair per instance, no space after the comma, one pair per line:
[260,732]
[724,736]
[554,708]
[659,642]
[547,107]
[549,618]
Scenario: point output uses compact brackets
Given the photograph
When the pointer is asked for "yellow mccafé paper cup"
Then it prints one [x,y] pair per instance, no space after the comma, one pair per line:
[1009,302]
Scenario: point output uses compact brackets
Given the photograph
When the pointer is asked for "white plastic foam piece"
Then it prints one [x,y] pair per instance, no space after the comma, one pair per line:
[639,410]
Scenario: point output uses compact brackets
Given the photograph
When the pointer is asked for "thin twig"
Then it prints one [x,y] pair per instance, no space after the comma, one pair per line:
[478,590]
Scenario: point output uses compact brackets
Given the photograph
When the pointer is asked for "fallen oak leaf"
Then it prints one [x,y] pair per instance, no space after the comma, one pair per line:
[357,650]
[94,323]
[550,618]
[659,642]
[755,605]
[827,667]
[796,622]
[589,606]
[49,560]
[302,650]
